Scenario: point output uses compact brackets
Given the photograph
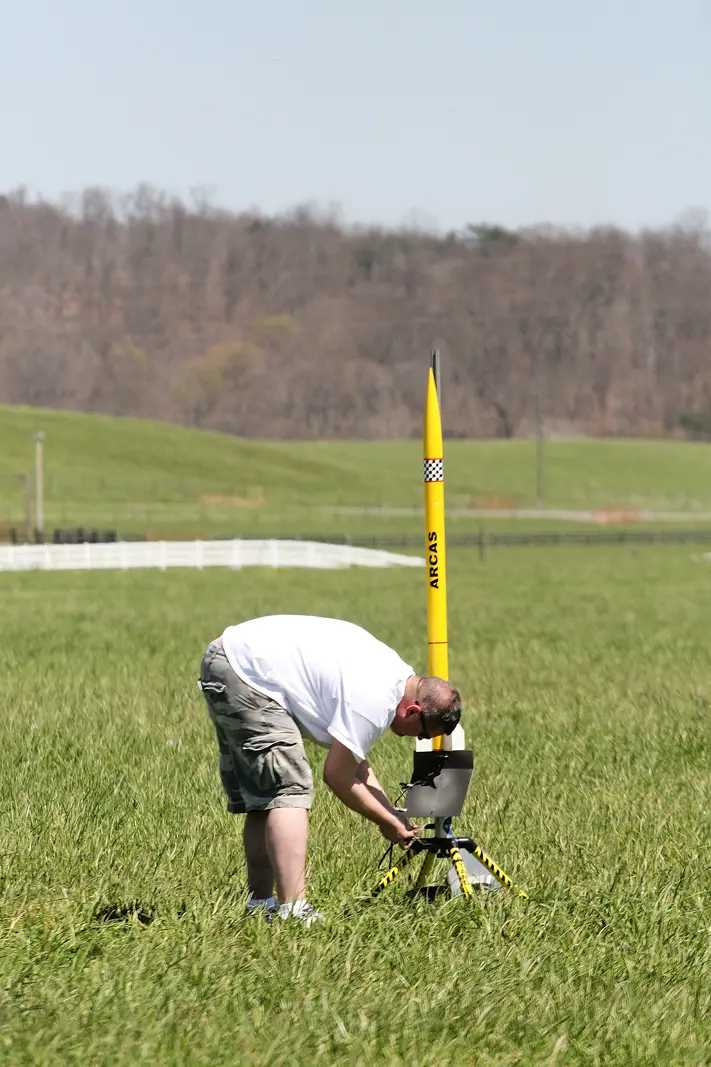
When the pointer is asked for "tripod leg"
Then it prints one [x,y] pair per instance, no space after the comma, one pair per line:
[425,871]
[491,866]
[442,828]
[458,864]
[392,874]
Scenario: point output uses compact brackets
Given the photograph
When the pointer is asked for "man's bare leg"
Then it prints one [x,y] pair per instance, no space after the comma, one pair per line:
[260,875]
[286,840]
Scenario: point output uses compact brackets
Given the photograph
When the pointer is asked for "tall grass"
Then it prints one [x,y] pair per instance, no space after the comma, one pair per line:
[586,677]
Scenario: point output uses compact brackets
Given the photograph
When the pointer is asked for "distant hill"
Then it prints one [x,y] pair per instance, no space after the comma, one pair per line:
[149,476]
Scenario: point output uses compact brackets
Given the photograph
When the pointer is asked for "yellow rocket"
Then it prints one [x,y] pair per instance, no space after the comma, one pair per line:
[436,553]
[469,862]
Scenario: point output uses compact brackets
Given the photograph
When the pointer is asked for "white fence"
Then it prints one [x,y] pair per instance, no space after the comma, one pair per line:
[121,555]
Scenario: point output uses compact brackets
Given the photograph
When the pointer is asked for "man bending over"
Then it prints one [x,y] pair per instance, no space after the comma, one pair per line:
[269,682]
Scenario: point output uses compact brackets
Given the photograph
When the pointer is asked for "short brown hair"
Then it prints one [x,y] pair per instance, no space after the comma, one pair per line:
[441,705]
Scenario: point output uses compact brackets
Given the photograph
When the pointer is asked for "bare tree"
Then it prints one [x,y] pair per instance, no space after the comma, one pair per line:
[299,326]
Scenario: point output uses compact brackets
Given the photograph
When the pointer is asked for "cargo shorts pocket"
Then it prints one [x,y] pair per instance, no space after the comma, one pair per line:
[275,763]
[263,764]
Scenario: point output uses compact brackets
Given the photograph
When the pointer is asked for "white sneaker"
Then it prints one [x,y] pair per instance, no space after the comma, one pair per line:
[301,911]
[264,908]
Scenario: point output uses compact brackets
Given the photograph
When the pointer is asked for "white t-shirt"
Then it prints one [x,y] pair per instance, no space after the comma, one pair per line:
[334,678]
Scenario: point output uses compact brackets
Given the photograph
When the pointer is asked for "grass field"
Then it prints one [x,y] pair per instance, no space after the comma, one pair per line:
[141,477]
[587,681]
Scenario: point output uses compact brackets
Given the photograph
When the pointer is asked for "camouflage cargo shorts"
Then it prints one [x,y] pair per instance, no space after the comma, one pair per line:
[263,764]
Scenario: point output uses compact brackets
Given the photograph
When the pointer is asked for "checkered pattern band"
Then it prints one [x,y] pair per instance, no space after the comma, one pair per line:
[434,470]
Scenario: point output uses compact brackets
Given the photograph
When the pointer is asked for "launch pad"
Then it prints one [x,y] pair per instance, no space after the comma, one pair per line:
[437,789]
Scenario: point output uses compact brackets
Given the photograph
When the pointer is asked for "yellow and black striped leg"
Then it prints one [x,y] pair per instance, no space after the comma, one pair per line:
[425,870]
[458,864]
[391,876]
[492,867]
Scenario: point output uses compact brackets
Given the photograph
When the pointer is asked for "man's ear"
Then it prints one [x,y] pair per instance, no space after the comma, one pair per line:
[413,709]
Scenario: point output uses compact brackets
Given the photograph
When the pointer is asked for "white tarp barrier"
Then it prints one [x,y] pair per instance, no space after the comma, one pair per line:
[120,555]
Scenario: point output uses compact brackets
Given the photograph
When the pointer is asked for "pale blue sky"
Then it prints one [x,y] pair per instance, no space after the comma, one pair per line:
[519,112]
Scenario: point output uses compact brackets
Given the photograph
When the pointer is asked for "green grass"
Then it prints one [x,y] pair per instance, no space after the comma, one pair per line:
[153,477]
[587,682]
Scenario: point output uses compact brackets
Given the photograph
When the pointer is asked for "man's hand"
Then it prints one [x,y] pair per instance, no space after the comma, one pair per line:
[354,783]
[401,832]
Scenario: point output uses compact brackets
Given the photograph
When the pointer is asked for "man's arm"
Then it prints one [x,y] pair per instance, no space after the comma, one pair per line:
[354,783]
[366,775]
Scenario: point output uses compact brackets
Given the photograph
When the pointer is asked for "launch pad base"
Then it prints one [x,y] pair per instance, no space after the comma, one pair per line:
[470,869]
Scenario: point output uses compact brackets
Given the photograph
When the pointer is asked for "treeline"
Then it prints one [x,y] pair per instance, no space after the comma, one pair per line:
[298,326]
